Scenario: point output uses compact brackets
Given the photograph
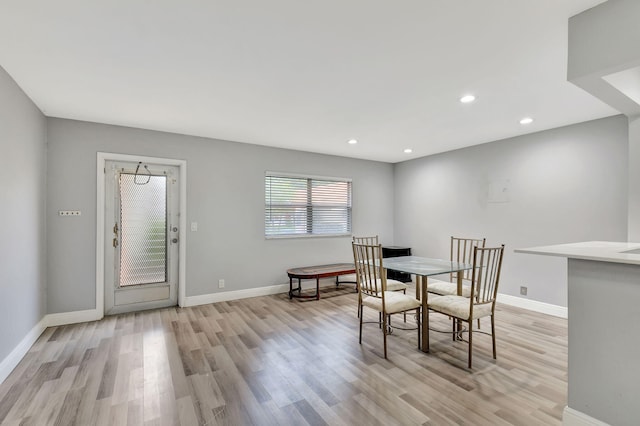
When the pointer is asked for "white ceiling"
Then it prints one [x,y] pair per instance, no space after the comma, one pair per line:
[306,75]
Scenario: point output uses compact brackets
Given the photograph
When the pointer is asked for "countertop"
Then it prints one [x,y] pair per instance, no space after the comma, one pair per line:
[603,251]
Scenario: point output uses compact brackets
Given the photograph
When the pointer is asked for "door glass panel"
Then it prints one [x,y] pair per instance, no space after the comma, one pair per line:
[143,219]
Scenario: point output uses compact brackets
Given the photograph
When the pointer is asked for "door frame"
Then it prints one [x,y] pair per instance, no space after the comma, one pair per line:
[102,158]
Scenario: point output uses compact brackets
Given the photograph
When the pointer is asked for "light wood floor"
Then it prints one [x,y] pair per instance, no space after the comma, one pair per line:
[269,360]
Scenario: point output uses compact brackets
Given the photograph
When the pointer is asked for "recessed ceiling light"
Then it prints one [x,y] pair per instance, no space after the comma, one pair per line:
[352,141]
[408,151]
[467,98]
[526,120]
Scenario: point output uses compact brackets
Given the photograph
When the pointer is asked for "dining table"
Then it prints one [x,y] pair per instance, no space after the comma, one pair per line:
[422,268]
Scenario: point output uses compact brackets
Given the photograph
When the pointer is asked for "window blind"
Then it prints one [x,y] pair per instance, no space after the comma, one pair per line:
[306,206]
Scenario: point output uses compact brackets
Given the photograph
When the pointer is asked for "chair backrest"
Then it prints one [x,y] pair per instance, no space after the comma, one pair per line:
[370,274]
[487,263]
[462,251]
[372,241]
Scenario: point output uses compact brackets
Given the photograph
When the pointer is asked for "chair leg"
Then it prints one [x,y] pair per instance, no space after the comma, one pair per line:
[419,330]
[360,316]
[405,312]
[493,337]
[454,331]
[470,341]
[384,334]
[425,312]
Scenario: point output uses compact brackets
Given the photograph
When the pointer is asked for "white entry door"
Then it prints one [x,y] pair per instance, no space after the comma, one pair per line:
[142,236]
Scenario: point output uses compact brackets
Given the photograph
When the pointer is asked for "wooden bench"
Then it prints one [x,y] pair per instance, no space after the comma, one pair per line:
[317,272]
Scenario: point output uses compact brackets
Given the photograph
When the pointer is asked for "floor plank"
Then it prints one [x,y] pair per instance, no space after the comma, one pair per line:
[271,360]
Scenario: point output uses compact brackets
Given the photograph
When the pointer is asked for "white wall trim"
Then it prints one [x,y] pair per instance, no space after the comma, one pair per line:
[100,203]
[234,295]
[64,318]
[533,305]
[50,320]
[13,359]
[102,158]
[571,417]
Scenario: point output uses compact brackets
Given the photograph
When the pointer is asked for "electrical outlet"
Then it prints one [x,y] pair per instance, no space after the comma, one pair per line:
[523,291]
[69,212]
[220,283]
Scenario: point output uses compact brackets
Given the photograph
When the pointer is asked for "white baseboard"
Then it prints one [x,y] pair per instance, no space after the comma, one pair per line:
[50,320]
[234,295]
[533,305]
[9,363]
[64,318]
[571,417]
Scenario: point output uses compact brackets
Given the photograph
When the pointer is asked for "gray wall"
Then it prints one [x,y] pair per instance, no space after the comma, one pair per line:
[601,41]
[634,179]
[563,185]
[225,190]
[603,360]
[22,196]
[604,40]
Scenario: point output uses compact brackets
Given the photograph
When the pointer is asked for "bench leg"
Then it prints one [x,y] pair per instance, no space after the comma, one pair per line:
[290,288]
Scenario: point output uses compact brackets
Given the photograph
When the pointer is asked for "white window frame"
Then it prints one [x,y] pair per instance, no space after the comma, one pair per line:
[309,206]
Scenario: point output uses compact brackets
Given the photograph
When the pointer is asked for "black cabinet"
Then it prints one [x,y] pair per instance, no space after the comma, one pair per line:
[395,251]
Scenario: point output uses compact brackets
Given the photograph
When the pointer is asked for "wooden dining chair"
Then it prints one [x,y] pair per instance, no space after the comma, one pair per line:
[461,251]
[373,292]
[392,285]
[487,263]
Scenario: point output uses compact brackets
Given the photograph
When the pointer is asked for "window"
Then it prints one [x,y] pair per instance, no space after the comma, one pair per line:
[306,206]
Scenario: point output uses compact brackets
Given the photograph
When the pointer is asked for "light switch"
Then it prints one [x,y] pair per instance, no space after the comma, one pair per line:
[194,226]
